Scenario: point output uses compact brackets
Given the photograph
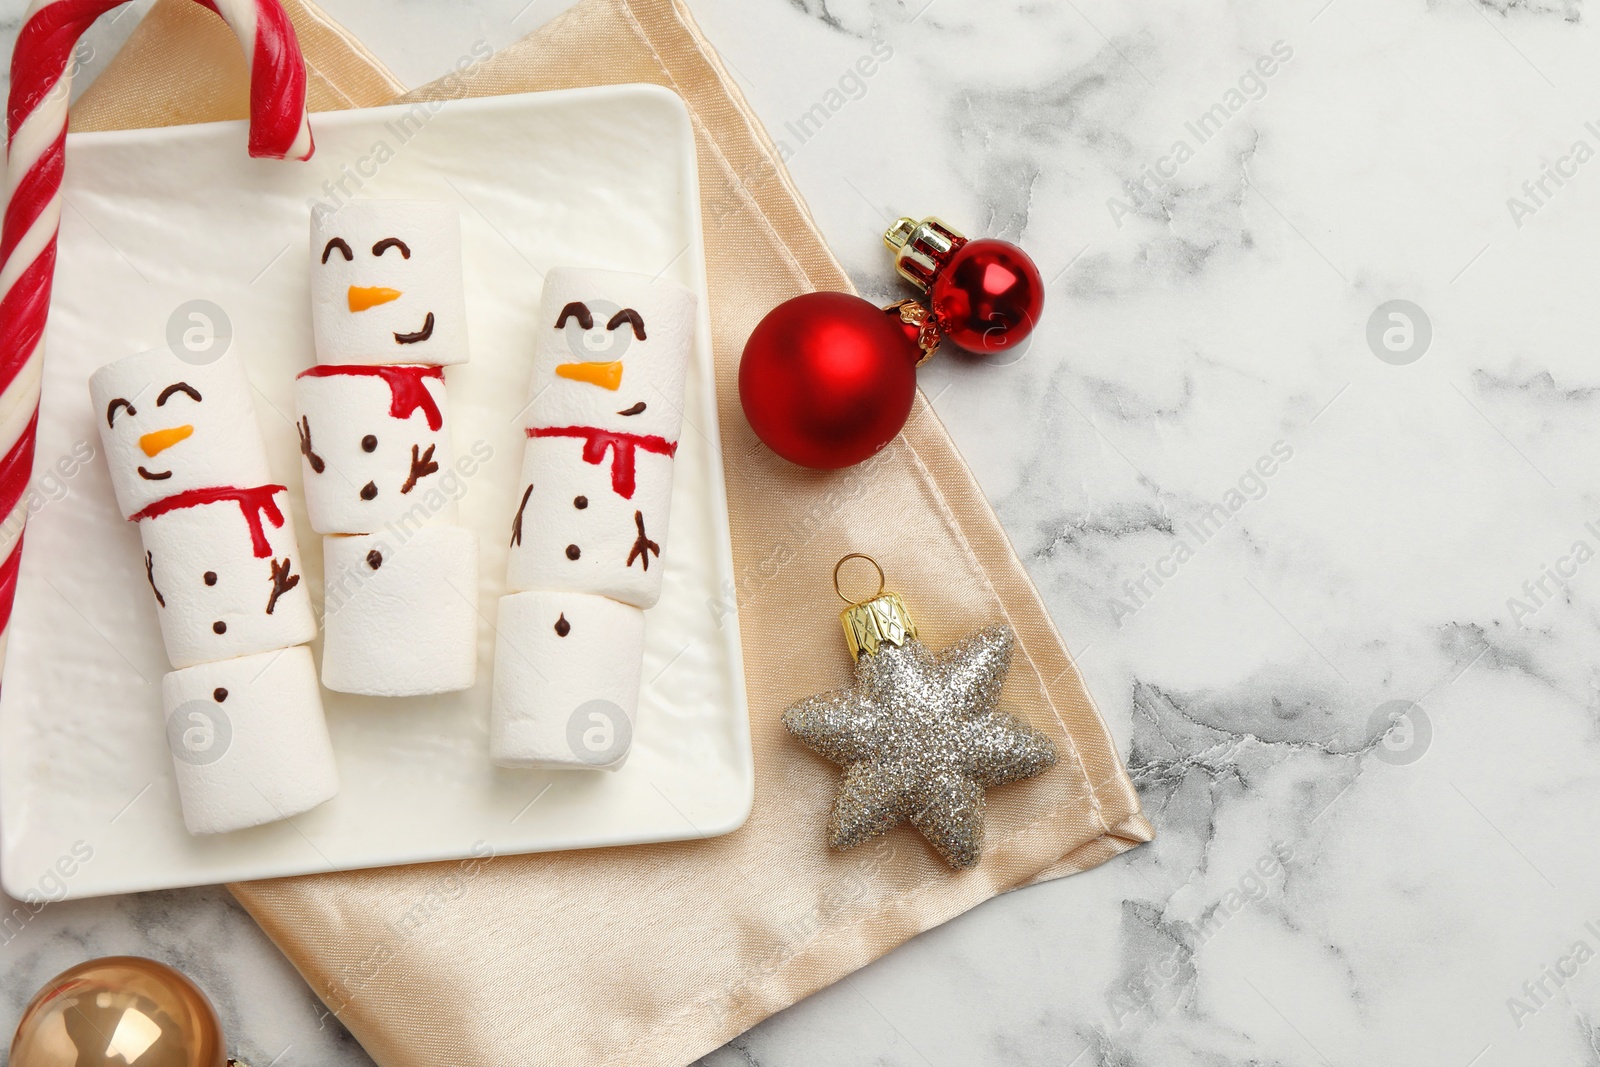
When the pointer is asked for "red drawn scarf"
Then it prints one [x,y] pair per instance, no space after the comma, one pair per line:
[622,446]
[407,392]
[253,503]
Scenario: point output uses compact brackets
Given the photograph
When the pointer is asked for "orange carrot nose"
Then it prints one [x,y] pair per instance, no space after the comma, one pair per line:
[605,375]
[158,441]
[363,297]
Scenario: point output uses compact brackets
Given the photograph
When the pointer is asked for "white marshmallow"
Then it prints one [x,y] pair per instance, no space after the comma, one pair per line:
[604,419]
[249,743]
[351,487]
[150,422]
[615,370]
[566,681]
[400,618]
[579,534]
[363,307]
[213,591]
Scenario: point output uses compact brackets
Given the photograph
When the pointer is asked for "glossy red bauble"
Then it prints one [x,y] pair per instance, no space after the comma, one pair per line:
[988,296]
[827,379]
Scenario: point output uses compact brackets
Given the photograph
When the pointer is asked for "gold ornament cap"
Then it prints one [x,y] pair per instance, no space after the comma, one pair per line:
[912,313]
[876,621]
[921,249]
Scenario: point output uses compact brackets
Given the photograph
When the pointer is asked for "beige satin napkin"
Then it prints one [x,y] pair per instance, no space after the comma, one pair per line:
[658,954]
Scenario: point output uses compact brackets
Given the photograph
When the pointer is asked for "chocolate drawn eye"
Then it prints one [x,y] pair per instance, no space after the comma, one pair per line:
[111,410]
[391,242]
[576,310]
[630,316]
[178,387]
[341,245]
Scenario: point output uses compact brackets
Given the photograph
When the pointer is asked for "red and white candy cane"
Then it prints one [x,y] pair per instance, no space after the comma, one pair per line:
[36,127]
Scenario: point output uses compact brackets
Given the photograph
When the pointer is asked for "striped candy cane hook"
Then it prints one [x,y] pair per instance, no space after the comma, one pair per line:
[36,127]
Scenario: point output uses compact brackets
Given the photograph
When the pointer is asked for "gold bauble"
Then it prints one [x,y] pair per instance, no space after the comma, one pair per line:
[121,1011]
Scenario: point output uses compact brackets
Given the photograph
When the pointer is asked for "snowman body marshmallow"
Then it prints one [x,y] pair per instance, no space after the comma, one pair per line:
[388,313]
[602,426]
[189,467]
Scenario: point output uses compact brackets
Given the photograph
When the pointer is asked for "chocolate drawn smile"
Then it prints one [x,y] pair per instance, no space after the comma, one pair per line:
[154,477]
[637,409]
[421,335]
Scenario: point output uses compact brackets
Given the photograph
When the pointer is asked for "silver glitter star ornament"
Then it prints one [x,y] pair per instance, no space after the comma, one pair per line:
[920,734]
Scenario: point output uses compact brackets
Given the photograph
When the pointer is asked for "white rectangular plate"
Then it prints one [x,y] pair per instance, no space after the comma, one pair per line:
[601,177]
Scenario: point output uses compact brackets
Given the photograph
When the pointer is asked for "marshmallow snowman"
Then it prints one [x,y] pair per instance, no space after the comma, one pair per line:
[387,314]
[605,410]
[606,407]
[189,467]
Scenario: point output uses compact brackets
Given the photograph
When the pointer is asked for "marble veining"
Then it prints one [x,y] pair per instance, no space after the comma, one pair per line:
[1329,573]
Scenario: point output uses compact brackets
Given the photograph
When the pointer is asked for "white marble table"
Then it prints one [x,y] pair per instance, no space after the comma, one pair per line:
[1368,672]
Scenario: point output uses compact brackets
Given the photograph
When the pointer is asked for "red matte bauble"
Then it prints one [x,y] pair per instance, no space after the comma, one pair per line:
[988,297]
[827,379]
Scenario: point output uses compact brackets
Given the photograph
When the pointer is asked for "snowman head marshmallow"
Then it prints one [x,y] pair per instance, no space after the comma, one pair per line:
[170,426]
[611,353]
[386,284]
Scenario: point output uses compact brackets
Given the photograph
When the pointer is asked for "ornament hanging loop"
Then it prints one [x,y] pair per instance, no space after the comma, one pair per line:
[878,620]
[882,581]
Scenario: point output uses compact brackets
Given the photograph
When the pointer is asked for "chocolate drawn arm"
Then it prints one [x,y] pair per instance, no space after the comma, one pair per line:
[516,523]
[421,467]
[150,576]
[303,428]
[642,545]
[282,582]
